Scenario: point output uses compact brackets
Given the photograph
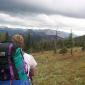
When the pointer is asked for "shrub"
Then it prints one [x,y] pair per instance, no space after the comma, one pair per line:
[63,51]
[83,48]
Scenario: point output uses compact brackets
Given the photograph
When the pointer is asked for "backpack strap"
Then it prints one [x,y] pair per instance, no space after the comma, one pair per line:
[10,46]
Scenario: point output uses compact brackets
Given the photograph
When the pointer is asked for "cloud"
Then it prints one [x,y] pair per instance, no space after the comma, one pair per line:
[7,20]
[71,8]
[43,20]
[53,14]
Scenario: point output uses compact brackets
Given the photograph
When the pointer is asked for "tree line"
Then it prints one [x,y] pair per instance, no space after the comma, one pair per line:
[61,45]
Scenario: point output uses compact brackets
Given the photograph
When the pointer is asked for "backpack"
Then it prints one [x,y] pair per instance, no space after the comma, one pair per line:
[6,65]
[11,62]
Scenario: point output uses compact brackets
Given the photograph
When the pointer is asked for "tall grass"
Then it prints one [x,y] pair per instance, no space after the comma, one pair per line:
[57,69]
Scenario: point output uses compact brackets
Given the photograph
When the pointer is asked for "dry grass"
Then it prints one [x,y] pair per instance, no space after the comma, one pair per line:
[57,69]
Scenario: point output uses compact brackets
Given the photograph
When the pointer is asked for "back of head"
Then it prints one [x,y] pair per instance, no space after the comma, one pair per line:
[18,40]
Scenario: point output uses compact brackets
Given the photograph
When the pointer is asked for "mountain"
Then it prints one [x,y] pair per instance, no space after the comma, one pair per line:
[46,34]
[12,31]
[80,38]
[53,32]
[80,41]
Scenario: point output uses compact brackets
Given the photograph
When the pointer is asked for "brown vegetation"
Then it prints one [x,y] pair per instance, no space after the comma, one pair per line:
[58,69]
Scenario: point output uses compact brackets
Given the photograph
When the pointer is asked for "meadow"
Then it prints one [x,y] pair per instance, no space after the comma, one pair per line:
[58,69]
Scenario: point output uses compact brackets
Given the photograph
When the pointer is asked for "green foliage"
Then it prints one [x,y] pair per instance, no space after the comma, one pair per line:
[28,41]
[79,41]
[4,37]
[63,50]
[83,48]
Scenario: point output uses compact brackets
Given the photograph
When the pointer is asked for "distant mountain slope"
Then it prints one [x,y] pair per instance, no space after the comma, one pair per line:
[53,32]
[80,38]
[12,31]
[46,34]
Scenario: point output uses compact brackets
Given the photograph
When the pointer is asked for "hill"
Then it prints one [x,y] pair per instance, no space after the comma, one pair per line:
[46,34]
[80,41]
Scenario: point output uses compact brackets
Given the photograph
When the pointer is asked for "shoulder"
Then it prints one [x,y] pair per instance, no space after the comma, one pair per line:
[26,54]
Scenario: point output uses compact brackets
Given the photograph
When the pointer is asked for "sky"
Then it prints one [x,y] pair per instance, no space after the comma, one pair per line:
[62,15]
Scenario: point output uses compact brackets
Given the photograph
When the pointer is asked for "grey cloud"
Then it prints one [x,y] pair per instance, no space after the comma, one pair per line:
[10,6]
[57,7]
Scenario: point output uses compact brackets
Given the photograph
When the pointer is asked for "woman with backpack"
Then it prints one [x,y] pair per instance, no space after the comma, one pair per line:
[12,65]
[30,63]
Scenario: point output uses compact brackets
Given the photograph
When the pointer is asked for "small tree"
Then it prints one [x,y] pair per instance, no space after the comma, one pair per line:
[4,37]
[71,42]
[28,41]
[55,42]
[63,50]
[83,48]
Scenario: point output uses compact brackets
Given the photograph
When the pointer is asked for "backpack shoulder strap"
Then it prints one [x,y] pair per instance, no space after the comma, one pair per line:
[9,54]
[19,64]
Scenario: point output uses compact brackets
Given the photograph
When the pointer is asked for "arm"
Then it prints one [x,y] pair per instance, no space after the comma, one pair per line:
[33,68]
[33,71]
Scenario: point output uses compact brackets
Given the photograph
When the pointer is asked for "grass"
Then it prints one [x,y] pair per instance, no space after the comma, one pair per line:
[57,69]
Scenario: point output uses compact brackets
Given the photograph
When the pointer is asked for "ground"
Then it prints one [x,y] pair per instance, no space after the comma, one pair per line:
[57,69]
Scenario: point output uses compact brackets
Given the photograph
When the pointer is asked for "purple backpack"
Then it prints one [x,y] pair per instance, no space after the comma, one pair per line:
[7,70]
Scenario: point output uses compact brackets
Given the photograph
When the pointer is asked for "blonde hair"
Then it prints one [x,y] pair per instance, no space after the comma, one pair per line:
[18,40]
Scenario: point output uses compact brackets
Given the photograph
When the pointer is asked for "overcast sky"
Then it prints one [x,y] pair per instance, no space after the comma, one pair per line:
[50,14]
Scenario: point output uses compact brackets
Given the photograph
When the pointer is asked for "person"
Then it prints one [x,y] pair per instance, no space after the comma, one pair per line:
[11,65]
[28,58]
